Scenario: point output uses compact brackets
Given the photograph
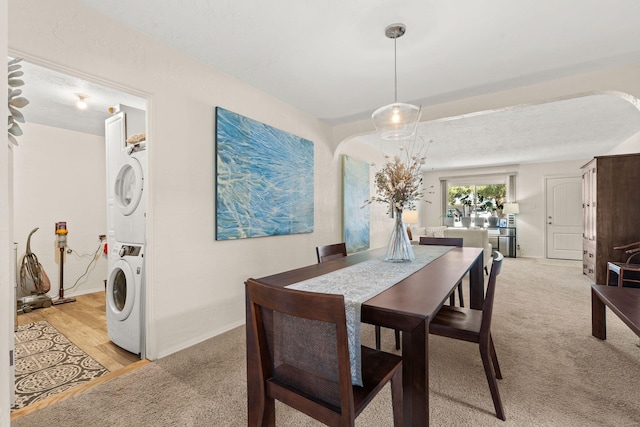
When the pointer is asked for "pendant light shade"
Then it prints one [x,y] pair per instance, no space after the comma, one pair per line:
[398,120]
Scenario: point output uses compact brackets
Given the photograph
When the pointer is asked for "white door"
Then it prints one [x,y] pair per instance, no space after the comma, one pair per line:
[564,217]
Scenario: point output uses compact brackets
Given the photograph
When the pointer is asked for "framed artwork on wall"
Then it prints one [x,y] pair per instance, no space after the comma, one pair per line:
[356,213]
[264,179]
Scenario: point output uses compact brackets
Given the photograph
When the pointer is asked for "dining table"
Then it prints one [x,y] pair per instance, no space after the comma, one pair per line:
[408,306]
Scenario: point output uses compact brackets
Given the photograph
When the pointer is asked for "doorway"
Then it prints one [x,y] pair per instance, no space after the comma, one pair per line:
[564,217]
[59,173]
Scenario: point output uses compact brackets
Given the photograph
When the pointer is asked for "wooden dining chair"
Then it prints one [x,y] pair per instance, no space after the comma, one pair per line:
[442,241]
[329,252]
[475,326]
[304,356]
[447,241]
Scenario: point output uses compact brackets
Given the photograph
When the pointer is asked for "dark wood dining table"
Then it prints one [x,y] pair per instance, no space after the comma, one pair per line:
[409,306]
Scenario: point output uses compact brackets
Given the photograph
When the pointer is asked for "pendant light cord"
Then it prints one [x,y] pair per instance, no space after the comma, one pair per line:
[395,69]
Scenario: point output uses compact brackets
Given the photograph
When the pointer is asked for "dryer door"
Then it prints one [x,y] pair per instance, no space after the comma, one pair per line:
[121,290]
[128,186]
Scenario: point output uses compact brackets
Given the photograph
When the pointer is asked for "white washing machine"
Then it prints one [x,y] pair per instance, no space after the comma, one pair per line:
[125,295]
[129,201]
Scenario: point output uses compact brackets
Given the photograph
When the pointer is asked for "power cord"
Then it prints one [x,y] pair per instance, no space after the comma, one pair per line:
[92,262]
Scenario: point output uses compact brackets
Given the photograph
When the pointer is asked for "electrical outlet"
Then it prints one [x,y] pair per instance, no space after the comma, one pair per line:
[102,237]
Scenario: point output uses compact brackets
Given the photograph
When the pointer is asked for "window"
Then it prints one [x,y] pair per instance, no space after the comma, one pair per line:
[472,201]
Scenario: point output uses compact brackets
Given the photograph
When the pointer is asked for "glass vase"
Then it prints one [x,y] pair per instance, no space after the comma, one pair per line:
[399,249]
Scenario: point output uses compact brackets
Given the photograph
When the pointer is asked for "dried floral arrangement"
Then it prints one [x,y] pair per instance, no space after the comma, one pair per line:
[399,182]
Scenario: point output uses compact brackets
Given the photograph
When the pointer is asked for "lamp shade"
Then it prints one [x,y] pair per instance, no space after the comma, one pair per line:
[410,217]
[511,208]
[396,121]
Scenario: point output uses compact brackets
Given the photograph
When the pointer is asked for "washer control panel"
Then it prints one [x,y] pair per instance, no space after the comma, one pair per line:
[129,250]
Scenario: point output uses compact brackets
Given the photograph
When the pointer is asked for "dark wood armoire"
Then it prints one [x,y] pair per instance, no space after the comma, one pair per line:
[611,209]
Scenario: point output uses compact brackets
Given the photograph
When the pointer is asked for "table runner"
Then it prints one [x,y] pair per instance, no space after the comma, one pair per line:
[362,281]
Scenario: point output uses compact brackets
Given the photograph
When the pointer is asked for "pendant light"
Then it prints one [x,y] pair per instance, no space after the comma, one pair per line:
[398,120]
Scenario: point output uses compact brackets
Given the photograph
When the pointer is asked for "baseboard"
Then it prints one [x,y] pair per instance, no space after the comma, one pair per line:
[82,291]
[198,340]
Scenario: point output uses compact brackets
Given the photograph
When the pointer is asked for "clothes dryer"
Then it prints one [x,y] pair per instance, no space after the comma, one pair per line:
[129,201]
[124,299]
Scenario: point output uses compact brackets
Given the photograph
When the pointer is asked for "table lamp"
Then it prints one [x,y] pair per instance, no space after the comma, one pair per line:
[511,209]
[409,217]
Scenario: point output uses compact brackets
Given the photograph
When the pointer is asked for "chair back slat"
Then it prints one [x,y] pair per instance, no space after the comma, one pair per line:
[442,241]
[329,252]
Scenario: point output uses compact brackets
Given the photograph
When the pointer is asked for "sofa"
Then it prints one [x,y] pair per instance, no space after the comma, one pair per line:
[471,237]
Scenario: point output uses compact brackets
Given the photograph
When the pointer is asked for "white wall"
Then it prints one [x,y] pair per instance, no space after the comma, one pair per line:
[381,223]
[631,145]
[59,175]
[530,193]
[531,196]
[195,284]
[6,238]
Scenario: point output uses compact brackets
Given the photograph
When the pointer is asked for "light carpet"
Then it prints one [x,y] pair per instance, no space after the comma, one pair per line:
[555,372]
[48,363]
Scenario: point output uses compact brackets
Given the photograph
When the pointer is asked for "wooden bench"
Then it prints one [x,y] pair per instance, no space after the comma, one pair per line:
[624,302]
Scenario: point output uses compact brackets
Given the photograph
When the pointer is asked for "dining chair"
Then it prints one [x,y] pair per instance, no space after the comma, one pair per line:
[447,241]
[303,350]
[442,241]
[329,252]
[475,326]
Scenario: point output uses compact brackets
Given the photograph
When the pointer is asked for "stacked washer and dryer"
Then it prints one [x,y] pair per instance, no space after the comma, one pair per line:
[126,227]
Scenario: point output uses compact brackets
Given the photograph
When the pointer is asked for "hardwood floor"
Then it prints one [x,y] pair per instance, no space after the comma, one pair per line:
[85,323]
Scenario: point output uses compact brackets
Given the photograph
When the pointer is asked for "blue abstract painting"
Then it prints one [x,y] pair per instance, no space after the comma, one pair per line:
[355,183]
[264,179]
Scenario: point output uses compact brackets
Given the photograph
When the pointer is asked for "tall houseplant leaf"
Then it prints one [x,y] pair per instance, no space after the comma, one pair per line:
[15,101]
[18,102]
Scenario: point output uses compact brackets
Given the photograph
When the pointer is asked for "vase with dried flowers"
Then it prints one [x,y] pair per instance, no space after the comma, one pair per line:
[399,184]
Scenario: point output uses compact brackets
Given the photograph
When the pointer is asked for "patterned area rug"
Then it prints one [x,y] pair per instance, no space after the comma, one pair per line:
[48,363]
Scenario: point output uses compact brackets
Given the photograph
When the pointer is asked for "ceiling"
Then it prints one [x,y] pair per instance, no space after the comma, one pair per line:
[52,99]
[571,129]
[331,60]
